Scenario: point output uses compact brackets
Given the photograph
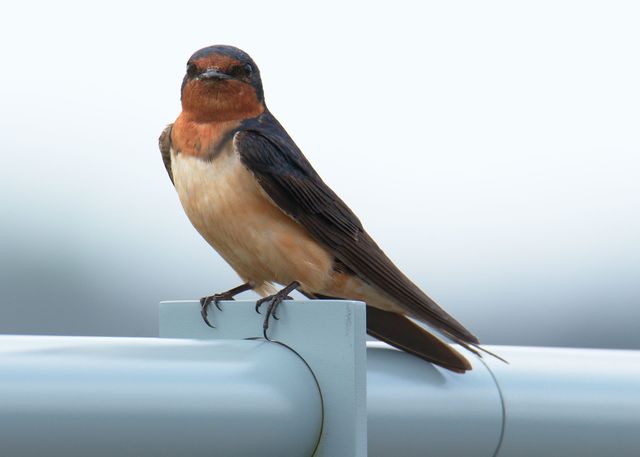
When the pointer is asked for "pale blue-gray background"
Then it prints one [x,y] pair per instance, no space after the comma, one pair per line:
[492,148]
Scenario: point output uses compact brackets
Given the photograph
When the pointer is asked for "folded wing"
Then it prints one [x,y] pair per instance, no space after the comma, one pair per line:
[292,183]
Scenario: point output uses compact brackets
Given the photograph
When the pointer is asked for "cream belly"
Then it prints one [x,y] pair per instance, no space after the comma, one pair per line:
[231,211]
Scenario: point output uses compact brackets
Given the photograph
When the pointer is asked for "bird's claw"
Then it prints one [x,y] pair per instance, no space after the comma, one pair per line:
[271,311]
[273,302]
[203,312]
[266,299]
[215,299]
[261,301]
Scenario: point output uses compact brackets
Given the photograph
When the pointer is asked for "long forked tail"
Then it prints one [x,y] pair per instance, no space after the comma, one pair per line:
[399,331]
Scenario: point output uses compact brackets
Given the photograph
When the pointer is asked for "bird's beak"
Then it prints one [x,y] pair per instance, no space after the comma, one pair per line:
[213,73]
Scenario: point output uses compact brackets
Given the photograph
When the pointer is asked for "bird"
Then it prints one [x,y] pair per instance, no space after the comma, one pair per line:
[255,198]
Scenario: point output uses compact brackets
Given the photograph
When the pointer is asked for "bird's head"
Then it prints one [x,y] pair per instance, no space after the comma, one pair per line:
[222,83]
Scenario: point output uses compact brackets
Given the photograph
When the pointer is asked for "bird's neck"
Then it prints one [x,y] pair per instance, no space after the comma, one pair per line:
[231,101]
[191,137]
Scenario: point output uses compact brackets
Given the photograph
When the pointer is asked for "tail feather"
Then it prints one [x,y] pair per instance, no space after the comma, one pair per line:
[402,333]
[488,352]
[399,331]
[474,347]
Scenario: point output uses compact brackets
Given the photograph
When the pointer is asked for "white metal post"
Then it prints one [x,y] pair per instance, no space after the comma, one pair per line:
[329,335]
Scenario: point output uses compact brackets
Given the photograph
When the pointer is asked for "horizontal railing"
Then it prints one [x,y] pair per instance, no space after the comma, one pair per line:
[199,391]
[154,397]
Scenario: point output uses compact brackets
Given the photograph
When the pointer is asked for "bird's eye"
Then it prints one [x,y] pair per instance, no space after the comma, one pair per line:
[192,69]
[240,71]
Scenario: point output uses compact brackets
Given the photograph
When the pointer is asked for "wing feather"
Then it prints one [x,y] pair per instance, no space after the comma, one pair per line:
[292,183]
[165,149]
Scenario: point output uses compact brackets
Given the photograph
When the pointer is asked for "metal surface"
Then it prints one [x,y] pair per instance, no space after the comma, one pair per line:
[329,335]
[416,409]
[233,397]
[569,402]
[154,397]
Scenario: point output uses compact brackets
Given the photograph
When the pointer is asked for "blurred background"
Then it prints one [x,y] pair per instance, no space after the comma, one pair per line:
[492,149]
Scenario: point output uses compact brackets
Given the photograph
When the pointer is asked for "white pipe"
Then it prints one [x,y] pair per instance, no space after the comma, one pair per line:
[415,409]
[569,402]
[141,397]
[555,401]
[168,397]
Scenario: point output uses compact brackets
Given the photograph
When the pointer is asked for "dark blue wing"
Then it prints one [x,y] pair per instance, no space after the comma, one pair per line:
[291,182]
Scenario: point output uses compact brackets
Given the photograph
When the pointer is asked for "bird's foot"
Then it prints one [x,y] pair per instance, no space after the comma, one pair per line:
[217,298]
[273,302]
[272,307]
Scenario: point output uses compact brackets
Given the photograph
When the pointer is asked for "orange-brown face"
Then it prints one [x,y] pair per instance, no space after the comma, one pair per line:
[221,84]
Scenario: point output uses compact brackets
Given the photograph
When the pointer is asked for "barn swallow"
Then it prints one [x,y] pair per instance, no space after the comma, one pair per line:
[251,193]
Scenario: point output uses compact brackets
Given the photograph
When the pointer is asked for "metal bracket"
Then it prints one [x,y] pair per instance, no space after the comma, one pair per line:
[332,342]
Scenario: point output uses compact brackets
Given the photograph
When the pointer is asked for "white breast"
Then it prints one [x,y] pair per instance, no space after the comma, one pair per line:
[228,207]
[207,188]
